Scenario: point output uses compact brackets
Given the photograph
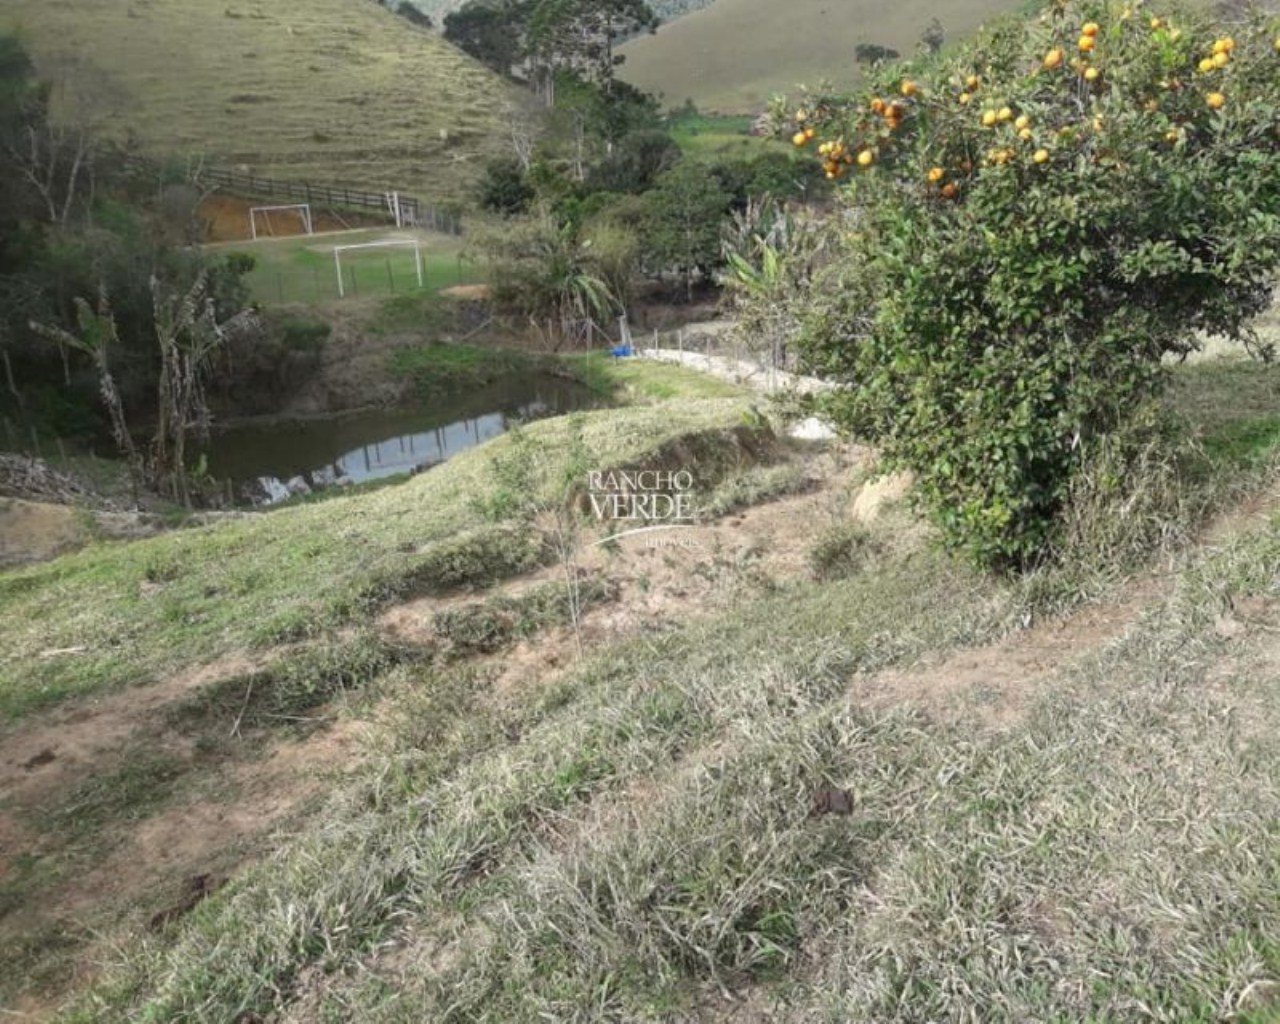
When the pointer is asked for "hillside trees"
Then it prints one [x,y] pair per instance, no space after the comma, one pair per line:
[544,39]
[62,247]
[1031,225]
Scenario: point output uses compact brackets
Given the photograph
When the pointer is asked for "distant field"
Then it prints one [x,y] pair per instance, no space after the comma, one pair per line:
[327,90]
[302,269]
[733,55]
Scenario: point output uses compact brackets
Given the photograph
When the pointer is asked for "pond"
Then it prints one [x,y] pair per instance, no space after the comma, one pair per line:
[268,461]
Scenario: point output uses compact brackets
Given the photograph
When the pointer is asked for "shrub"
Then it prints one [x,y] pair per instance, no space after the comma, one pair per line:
[503,188]
[1032,225]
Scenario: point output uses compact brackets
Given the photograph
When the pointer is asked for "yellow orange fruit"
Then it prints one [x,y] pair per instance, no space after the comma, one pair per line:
[1053,58]
[935,174]
[1089,29]
[1025,134]
[964,98]
[809,133]
[799,139]
[1091,74]
[877,106]
[988,118]
[1221,60]
[1206,65]
[1156,23]
[1004,114]
[949,190]
[1040,156]
[972,82]
[1171,135]
[1023,121]
[866,158]
[909,88]
[1086,43]
[1215,100]
[1228,44]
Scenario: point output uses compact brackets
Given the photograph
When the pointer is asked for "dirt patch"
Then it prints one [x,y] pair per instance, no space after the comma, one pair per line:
[659,581]
[474,292]
[226,219]
[157,859]
[998,682]
[76,740]
[138,865]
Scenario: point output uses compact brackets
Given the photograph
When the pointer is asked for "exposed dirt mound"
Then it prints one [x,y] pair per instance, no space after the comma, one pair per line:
[226,219]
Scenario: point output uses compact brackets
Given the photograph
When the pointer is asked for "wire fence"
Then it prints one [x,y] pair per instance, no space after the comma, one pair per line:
[412,211]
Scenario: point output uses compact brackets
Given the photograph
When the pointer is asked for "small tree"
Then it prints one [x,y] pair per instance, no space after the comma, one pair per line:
[682,232]
[187,331]
[1032,225]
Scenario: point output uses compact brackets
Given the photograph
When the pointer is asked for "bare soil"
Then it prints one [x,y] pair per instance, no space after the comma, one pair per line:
[226,219]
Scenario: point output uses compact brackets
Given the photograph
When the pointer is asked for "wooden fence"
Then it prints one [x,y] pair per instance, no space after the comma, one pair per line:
[412,210]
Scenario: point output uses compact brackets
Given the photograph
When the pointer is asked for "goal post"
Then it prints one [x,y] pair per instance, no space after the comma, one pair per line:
[303,210]
[338,250]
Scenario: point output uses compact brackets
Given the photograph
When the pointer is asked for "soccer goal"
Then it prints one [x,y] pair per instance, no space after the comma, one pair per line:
[302,209]
[338,250]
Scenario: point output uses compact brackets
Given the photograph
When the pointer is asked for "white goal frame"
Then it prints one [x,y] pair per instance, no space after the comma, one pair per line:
[303,208]
[338,250]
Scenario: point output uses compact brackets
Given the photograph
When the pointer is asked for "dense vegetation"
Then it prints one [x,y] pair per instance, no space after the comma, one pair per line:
[1032,225]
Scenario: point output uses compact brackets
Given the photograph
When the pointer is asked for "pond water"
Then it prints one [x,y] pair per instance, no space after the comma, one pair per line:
[262,460]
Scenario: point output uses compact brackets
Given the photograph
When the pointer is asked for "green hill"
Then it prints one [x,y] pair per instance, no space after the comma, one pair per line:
[330,90]
[732,55]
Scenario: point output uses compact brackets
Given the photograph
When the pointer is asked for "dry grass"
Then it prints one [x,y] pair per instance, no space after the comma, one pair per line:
[329,90]
[733,55]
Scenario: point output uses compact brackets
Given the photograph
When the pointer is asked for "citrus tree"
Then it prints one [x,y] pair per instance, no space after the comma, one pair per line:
[1030,224]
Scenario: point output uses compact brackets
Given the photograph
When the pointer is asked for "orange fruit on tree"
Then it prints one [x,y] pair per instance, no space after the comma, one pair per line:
[1040,156]
[1206,65]
[1215,100]
[963,98]
[1221,60]
[972,82]
[799,138]
[866,158]
[809,133]
[1053,58]
[1025,134]
[1090,29]
[1091,74]
[988,118]
[1023,121]
[1156,23]
[1004,114]
[1086,43]
[877,106]
[949,190]
[935,174]
[909,88]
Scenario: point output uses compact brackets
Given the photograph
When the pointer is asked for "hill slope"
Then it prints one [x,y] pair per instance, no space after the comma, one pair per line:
[733,55]
[328,90]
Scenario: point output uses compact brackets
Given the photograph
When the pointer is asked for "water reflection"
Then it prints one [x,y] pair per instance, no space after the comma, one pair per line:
[279,459]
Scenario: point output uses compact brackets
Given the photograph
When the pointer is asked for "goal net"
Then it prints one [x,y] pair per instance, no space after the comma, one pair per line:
[262,215]
[405,243]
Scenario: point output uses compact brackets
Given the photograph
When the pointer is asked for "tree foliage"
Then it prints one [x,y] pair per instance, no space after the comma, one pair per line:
[1032,225]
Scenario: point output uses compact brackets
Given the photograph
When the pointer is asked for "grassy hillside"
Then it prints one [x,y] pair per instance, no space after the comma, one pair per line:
[733,55]
[771,789]
[329,90]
